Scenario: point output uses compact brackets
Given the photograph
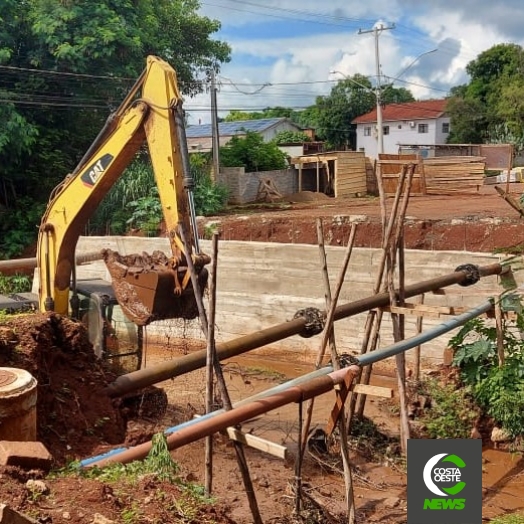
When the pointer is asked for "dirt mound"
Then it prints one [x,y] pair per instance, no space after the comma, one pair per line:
[307,196]
[74,416]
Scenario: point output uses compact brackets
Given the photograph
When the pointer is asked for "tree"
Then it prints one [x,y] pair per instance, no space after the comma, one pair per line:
[490,107]
[287,137]
[68,64]
[348,99]
[252,153]
[268,112]
[396,95]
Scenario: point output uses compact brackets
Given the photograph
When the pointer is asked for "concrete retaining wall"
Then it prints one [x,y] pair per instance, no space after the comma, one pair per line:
[263,284]
[243,187]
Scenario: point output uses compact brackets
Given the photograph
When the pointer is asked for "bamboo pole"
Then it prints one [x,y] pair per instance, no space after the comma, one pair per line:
[398,335]
[226,400]
[344,447]
[327,330]
[374,318]
[398,298]
[500,333]
[416,356]
[211,357]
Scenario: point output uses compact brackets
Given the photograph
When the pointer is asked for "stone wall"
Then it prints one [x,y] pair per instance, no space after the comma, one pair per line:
[261,285]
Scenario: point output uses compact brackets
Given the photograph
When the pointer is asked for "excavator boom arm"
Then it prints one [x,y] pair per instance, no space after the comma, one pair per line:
[152,112]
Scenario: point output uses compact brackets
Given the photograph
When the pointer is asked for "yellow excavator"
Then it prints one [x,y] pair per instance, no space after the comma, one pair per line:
[145,287]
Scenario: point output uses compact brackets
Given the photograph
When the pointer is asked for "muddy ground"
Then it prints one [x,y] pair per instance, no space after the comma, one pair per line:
[76,420]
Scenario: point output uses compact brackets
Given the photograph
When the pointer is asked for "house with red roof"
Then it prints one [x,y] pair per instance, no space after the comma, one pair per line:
[422,123]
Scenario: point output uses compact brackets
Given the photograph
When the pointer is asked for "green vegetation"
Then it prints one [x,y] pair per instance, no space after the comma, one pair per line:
[452,413]
[158,463]
[89,54]
[134,203]
[252,153]
[490,108]
[291,137]
[515,518]
[496,381]
[14,284]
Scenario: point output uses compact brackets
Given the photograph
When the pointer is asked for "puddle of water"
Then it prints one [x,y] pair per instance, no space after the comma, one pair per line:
[503,482]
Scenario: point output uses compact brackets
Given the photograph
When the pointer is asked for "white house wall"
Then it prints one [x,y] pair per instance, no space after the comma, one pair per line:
[401,132]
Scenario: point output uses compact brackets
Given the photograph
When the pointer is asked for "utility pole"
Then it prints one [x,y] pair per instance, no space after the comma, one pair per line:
[214,128]
[377,31]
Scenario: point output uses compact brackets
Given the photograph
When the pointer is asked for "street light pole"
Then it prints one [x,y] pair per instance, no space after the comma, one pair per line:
[214,128]
[377,31]
[380,130]
[378,88]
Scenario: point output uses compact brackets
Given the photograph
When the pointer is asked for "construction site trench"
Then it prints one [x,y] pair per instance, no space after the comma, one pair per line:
[268,268]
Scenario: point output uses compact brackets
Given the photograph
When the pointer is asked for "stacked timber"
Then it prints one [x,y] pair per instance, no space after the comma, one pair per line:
[350,178]
[454,174]
[390,166]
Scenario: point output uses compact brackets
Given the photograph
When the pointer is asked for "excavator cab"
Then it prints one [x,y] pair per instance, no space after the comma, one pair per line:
[114,337]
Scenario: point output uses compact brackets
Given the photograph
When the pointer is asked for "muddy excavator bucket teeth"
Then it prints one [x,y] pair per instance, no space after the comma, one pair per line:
[148,288]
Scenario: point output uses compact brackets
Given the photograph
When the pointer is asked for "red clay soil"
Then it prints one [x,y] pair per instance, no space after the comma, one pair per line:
[479,222]
[76,420]
[74,415]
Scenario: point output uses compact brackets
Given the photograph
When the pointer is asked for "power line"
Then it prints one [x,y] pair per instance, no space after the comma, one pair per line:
[314,16]
[64,73]
[63,105]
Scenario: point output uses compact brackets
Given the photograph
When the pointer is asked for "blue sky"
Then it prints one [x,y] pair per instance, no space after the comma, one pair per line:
[285,51]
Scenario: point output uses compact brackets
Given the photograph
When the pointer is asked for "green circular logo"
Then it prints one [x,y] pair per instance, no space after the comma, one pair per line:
[444,474]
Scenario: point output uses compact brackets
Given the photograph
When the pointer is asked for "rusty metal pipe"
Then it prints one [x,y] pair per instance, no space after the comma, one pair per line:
[220,422]
[169,369]
[31,263]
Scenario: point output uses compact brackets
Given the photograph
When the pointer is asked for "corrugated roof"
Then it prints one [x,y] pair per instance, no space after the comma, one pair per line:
[233,128]
[423,109]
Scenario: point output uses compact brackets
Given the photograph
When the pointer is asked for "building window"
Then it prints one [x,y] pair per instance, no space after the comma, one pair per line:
[367,131]
[423,128]
[385,130]
[445,127]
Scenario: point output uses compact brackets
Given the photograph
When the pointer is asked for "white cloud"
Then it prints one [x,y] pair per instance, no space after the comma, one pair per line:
[461,30]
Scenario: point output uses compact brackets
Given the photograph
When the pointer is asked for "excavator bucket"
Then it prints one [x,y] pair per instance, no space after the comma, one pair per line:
[150,287]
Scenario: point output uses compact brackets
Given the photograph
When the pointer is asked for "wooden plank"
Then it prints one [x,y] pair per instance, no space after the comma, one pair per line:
[421,310]
[256,442]
[376,391]
[259,443]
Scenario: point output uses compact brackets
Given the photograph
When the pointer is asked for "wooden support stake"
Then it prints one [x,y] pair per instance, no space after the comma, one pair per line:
[416,374]
[327,329]
[210,358]
[226,400]
[373,319]
[341,393]
[500,333]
